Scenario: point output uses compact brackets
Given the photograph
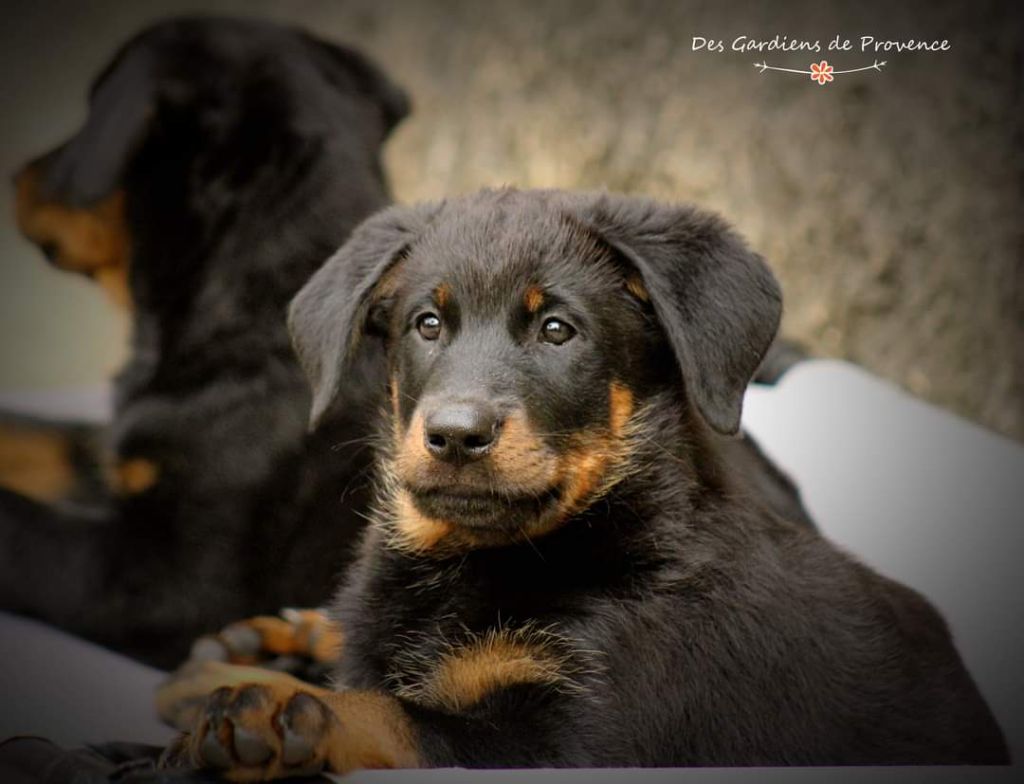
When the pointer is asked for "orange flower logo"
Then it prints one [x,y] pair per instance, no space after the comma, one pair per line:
[821,72]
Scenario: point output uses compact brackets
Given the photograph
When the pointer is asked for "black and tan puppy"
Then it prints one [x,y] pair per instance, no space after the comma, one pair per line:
[561,571]
[221,162]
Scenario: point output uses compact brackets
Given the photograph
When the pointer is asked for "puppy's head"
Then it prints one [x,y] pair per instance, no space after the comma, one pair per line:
[526,332]
[186,115]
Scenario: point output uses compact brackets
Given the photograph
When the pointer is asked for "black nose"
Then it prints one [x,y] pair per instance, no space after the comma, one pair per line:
[460,432]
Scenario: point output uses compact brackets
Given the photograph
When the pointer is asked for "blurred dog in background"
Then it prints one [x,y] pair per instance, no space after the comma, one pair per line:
[221,162]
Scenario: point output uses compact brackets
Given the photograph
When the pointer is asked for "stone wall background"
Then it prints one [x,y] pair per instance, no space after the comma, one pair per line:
[888,203]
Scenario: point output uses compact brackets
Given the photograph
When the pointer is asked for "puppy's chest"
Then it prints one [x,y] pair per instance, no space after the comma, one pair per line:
[450,643]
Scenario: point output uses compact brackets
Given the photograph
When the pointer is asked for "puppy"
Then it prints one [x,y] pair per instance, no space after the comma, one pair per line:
[221,162]
[561,570]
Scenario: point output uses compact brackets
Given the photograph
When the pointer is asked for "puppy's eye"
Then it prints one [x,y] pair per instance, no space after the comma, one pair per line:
[556,331]
[429,326]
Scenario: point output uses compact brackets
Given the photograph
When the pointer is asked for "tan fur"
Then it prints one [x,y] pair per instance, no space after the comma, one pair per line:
[417,532]
[533,298]
[520,464]
[134,476]
[636,287]
[501,658]
[307,633]
[442,295]
[348,730]
[521,460]
[34,463]
[93,241]
[591,467]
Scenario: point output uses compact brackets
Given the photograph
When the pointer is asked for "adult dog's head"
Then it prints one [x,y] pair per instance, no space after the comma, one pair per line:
[530,335]
[204,139]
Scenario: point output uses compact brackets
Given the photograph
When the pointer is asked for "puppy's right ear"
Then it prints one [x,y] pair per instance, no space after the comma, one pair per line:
[329,315]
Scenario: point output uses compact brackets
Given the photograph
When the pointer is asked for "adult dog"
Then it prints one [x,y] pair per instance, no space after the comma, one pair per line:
[221,162]
[562,571]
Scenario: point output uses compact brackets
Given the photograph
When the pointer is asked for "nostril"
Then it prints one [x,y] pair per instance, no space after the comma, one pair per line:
[476,441]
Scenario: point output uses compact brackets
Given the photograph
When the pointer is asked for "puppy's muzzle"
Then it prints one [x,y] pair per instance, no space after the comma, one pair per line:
[462,431]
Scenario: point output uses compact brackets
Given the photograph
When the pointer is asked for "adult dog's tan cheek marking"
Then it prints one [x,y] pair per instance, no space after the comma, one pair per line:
[135,476]
[94,241]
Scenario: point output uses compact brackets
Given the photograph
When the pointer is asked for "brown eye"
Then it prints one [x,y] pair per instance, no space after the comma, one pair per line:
[429,326]
[556,331]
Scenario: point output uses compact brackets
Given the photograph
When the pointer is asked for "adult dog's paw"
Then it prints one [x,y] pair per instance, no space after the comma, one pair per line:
[259,732]
[284,642]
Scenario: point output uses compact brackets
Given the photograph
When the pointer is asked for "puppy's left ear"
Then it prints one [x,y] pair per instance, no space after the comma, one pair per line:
[717,301]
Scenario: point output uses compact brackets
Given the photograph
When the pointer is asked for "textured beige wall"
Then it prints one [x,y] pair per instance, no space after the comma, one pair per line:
[888,203]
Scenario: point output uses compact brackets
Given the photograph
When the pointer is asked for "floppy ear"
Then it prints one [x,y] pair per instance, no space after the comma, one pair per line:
[328,316]
[717,301]
[90,166]
[341,65]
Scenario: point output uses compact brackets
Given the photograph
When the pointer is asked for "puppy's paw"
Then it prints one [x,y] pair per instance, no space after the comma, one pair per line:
[259,732]
[281,642]
[181,697]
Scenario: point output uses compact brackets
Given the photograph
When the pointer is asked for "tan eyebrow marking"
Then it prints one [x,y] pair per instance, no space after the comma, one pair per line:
[533,298]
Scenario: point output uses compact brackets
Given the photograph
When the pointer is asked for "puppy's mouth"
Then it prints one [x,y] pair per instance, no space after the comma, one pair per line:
[478,509]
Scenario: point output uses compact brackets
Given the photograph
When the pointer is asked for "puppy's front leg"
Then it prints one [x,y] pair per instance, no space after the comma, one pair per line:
[263,731]
[497,702]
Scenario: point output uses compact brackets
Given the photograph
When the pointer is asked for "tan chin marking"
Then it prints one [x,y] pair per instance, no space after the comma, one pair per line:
[93,241]
[415,531]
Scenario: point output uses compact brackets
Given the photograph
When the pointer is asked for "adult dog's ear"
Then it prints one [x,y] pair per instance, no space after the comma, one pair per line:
[346,68]
[717,301]
[91,164]
[329,315]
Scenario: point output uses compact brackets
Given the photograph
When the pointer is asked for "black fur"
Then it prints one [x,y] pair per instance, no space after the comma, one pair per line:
[695,627]
[246,152]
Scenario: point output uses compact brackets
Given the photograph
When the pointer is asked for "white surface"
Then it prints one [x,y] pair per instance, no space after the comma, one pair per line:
[71,691]
[81,404]
[922,496]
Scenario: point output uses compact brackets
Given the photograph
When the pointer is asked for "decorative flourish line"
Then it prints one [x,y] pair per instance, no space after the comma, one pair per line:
[822,72]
